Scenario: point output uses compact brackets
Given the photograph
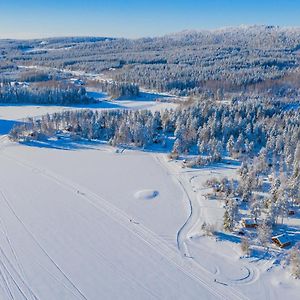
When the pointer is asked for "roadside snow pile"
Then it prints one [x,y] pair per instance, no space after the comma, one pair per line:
[146,194]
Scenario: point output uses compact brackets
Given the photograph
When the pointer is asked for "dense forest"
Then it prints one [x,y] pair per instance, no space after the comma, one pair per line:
[268,131]
[54,93]
[114,89]
[253,59]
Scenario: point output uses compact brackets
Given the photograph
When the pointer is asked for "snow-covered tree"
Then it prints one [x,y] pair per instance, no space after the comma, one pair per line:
[264,233]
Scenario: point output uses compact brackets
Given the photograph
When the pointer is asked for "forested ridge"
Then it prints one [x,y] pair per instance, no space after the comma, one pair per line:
[249,59]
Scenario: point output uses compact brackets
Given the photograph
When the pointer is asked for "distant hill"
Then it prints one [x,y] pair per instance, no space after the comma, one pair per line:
[246,59]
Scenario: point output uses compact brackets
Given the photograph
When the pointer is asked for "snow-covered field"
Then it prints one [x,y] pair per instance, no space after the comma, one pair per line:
[20,113]
[89,221]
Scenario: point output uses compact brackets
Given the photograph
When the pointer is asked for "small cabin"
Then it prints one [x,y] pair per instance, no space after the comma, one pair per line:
[291,212]
[249,223]
[269,162]
[77,81]
[281,240]
[69,128]
[240,231]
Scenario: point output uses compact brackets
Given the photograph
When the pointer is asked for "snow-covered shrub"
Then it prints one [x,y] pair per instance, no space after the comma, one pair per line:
[173,155]
[264,233]
[208,229]
[294,261]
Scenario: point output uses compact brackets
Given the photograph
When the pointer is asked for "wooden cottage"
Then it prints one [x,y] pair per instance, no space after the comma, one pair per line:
[291,212]
[281,240]
[249,223]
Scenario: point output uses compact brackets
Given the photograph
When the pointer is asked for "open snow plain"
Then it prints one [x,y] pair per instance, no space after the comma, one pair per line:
[72,228]
[83,220]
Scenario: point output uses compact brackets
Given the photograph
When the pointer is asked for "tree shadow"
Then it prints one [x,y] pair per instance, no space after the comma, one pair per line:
[261,253]
[65,144]
[144,96]
[93,105]
[7,125]
[223,236]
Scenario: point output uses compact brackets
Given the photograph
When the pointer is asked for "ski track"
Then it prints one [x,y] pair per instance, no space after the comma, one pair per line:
[177,180]
[5,282]
[180,234]
[41,248]
[61,282]
[9,270]
[192,270]
[19,273]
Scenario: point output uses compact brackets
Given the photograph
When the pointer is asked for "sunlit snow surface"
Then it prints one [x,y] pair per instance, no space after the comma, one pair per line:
[88,221]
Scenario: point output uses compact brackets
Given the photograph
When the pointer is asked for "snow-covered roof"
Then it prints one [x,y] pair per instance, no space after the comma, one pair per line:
[249,221]
[283,239]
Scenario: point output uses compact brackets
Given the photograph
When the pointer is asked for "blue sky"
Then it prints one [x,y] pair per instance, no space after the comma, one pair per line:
[136,18]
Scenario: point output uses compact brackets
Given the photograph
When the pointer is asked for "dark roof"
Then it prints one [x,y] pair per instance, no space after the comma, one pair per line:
[248,221]
[283,239]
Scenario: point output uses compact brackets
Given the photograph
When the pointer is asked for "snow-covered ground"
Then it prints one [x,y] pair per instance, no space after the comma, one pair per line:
[84,220]
[260,276]
[72,227]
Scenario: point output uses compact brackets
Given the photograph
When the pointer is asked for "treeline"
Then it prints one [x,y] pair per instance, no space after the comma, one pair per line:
[118,127]
[35,76]
[14,93]
[239,130]
[118,89]
[264,135]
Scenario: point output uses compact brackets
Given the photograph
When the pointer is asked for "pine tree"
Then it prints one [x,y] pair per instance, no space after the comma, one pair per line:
[230,215]
[230,145]
[227,221]
[255,209]
[264,233]
[245,246]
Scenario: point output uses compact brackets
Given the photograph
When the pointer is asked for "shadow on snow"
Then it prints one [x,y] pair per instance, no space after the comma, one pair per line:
[66,144]
[98,104]
[7,125]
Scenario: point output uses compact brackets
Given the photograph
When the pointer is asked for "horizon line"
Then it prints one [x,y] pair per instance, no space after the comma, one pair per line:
[241,26]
